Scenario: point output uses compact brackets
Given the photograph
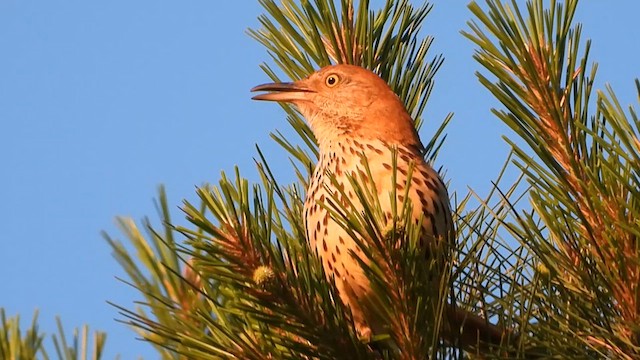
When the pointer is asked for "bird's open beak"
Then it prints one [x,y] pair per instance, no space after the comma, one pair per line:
[287,92]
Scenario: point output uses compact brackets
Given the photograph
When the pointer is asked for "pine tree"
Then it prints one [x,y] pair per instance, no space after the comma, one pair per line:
[561,276]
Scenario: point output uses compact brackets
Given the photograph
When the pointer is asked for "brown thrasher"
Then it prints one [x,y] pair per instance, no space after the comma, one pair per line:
[357,119]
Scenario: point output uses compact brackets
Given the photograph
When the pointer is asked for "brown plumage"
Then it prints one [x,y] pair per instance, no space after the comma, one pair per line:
[358,120]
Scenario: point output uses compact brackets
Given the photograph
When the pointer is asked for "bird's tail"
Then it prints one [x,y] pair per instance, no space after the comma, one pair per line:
[469,331]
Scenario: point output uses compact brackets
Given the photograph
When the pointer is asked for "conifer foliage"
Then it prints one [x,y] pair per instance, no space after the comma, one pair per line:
[552,257]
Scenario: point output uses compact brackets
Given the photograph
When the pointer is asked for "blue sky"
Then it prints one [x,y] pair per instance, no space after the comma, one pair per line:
[100,102]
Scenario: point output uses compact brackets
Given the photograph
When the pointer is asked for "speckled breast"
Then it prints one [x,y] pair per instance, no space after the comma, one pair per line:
[331,184]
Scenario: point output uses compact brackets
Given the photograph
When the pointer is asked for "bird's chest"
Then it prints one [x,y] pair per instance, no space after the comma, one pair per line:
[376,169]
[387,179]
[393,177]
[330,189]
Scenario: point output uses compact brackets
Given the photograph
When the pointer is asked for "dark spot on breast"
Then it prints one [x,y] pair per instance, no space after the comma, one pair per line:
[338,249]
[425,203]
[341,240]
[431,185]
[324,245]
[362,175]
[403,150]
[387,166]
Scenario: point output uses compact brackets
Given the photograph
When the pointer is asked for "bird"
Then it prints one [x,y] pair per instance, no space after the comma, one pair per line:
[364,132]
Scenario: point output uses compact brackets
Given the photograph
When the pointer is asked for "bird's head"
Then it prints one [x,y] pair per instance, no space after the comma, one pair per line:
[346,101]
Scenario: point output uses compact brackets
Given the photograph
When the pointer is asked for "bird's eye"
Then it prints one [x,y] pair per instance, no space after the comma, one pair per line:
[332,80]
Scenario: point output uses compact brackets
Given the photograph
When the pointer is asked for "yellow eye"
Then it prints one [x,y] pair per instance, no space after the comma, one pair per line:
[332,80]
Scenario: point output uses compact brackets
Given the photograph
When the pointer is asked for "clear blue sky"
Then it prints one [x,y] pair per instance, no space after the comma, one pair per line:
[100,102]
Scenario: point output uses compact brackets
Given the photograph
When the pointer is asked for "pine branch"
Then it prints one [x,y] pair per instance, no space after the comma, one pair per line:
[80,347]
[14,344]
[582,231]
